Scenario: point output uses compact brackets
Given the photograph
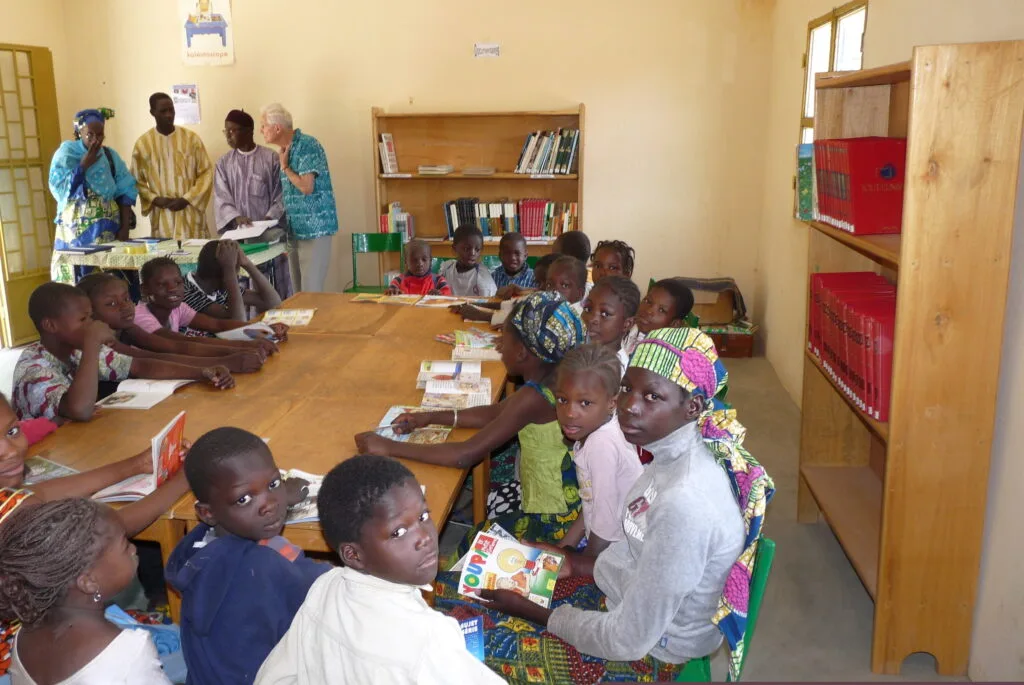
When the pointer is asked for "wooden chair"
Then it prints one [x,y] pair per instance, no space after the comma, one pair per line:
[363,243]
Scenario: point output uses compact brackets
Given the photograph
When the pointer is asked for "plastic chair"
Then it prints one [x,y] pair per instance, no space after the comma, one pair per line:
[363,243]
[699,670]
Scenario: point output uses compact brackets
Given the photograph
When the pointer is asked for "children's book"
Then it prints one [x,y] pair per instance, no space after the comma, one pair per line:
[474,345]
[305,511]
[447,371]
[473,634]
[252,331]
[167,461]
[289,317]
[401,299]
[140,393]
[368,297]
[494,530]
[427,435]
[38,469]
[445,301]
[457,394]
[498,564]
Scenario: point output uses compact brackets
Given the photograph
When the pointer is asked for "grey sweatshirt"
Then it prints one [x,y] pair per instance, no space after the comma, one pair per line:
[661,595]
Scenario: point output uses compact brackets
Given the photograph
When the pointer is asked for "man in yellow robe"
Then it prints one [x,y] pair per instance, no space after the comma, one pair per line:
[174,175]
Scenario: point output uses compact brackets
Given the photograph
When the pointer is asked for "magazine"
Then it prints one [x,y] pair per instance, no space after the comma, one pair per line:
[457,394]
[498,564]
[289,317]
[447,371]
[494,530]
[427,435]
[167,461]
[38,469]
[445,301]
[140,393]
[305,511]
[473,634]
[251,331]
[475,345]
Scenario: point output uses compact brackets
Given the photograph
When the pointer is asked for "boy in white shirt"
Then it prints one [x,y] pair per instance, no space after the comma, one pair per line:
[367,622]
[466,275]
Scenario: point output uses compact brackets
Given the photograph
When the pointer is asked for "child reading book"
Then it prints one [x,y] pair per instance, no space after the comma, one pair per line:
[541,329]
[663,583]
[417,279]
[367,622]
[213,288]
[606,465]
[59,561]
[513,270]
[612,258]
[667,304]
[240,581]
[60,374]
[609,312]
[466,276]
[112,305]
[567,276]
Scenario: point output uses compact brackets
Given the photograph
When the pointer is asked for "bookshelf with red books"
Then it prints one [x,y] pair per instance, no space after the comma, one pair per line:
[899,494]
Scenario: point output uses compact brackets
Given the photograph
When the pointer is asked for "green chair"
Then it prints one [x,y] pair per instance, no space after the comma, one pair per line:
[490,261]
[699,670]
[363,243]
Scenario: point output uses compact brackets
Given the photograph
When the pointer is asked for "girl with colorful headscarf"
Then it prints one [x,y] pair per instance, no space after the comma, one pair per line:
[537,334]
[93,188]
[691,524]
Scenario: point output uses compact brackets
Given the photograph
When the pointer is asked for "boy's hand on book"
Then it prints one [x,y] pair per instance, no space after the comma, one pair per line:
[219,377]
[98,333]
[435,291]
[371,443]
[280,331]
[296,490]
[410,421]
[514,604]
[566,570]
[267,346]
[392,290]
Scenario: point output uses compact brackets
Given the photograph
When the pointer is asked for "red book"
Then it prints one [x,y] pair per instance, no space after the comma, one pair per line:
[858,304]
[843,191]
[383,224]
[882,318]
[816,310]
[877,177]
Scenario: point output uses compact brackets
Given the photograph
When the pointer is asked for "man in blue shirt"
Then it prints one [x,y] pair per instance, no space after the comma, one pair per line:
[308,198]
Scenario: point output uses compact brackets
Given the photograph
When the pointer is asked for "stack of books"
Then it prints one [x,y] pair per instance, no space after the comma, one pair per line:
[850,330]
[536,219]
[550,152]
[435,169]
[388,159]
[398,221]
[860,183]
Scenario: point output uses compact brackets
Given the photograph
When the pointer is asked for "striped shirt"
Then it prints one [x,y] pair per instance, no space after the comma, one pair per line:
[314,215]
[247,184]
[199,299]
[174,166]
[524,279]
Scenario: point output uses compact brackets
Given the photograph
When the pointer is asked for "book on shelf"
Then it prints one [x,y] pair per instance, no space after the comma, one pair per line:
[805,195]
[432,434]
[306,510]
[398,221]
[496,563]
[40,469]
[388,158]
[140,393]
[851,323]
[167,461]
[447,371]
[549,153]
[534,218]
[457,394]
[434,169]
[860,183]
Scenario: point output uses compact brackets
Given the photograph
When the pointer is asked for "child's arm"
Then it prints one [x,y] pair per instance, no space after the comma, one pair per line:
[157,369]
[242,361]
[90,482]
[262,296]
[79,401]
[595,545]
[176,344]
[138,516]
[266,346]
[473,312]
[205,322]
[575,533]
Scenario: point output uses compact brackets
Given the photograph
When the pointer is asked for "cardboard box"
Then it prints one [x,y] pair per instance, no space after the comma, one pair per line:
[713,308]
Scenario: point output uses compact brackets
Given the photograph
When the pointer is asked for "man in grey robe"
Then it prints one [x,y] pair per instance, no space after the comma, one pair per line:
[247,180]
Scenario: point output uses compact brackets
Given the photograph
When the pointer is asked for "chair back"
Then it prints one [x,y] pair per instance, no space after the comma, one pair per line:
[363,243]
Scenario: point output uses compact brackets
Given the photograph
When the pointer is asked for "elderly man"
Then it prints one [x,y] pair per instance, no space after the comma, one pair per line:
[247,180]
[308,198]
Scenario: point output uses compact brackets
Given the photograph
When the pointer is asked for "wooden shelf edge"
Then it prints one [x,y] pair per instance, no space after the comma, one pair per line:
[877,427]
[884,249]
[504,176]
[540,113]
[447,241]
[850,498]
[879,76]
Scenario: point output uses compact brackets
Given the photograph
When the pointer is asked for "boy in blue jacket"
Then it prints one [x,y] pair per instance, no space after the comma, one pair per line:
[240,581]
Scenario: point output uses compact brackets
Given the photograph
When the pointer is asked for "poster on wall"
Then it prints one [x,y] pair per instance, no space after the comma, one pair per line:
[207,34]
[186,104]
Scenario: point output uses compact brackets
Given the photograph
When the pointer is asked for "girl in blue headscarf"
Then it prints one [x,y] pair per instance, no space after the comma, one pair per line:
[93,188]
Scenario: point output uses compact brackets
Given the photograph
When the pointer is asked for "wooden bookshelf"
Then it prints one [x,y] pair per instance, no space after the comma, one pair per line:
[879,428]
[907,499]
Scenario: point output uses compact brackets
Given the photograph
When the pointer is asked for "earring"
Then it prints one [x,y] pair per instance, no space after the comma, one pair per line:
[97,597]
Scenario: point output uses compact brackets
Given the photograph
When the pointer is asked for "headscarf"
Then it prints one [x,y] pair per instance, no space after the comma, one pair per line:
[547,325]
[88,116]
[688,358]
[240,118]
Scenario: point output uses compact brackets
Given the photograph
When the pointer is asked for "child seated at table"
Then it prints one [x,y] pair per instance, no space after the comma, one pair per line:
[514,269]
[465,274]
[567,276]
[163,310]
[213,288]
[538,333]
[417,279]
[112,305]
[612,258]
[609,313]
[367,622]
[60,374]
[240,581]
[59,561]
[666,305]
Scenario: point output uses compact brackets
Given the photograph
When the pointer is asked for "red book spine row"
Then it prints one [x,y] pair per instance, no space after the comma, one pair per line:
[860,183]
[851,321]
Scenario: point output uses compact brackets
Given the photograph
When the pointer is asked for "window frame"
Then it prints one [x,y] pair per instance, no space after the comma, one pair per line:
[832,18]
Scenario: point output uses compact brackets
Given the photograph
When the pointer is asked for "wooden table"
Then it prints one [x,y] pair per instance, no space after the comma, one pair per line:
[333,379]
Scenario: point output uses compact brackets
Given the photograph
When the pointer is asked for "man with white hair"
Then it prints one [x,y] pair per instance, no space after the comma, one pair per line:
[308,198]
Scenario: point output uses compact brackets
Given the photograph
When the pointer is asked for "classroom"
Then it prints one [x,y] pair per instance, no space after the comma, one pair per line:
[560,199]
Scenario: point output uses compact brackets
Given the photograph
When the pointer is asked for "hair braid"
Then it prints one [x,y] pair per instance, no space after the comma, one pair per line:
[626,253]
[596,358]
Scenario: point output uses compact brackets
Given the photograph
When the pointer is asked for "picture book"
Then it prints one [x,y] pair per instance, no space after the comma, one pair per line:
[401,299]
[492,529]
[38,469]
[498,564]
[252,331]
[368,297]
[305,511]
[473,634]
[167,461]
[474,345]
[457,394]
[427,435]
[445,301]
[447,371]
[289,317]
[140,393]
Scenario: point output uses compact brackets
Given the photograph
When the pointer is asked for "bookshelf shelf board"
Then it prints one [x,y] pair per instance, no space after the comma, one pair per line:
[850,498]
[884,249]
[438,115]
[497,176]
[877,427]
[879,76]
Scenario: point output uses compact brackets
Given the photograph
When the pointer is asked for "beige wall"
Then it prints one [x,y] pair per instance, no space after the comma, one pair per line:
[894,27]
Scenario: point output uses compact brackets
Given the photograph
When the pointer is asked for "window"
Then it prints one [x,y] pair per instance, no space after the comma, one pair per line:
[834,43]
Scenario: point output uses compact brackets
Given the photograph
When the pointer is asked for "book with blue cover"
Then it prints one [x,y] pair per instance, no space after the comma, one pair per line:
[473,634]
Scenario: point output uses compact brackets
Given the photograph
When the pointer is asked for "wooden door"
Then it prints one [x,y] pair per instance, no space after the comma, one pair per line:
[29,135]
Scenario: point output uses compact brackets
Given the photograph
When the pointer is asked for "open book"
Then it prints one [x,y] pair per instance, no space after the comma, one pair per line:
[140,393]
[253,230]
[457,394]
[428,435]
[305,511]
[289,317]
[250,331]
[495,563]
[447,371]
[167,461]
[38,469]
[475,345]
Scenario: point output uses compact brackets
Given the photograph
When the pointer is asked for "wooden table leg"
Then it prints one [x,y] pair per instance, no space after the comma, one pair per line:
[167,533]
[481,486]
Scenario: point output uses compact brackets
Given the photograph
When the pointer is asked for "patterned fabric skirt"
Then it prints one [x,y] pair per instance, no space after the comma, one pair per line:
[83,222]
[523,652]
